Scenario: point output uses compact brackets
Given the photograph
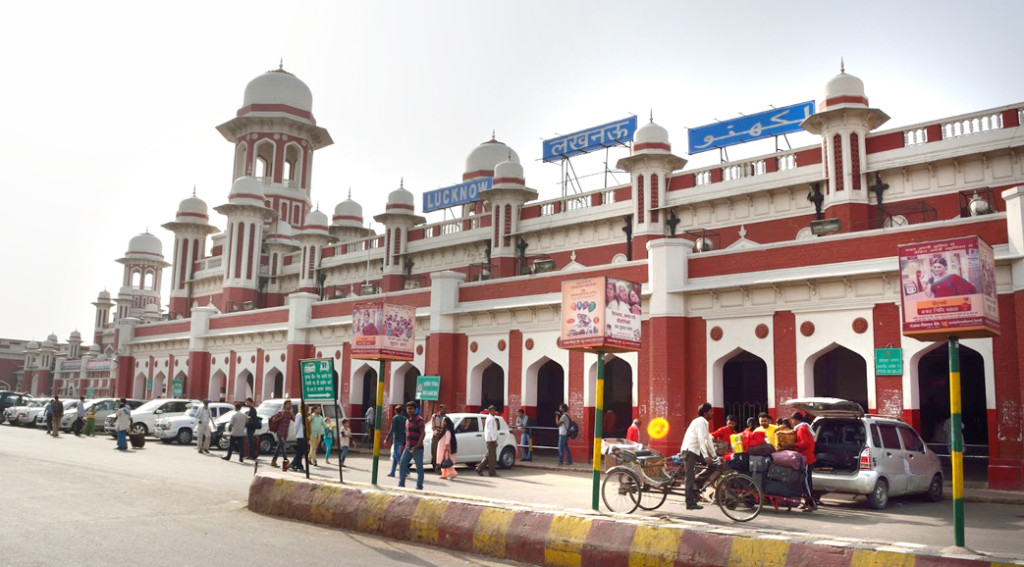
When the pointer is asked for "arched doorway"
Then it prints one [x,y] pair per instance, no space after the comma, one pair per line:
[550,395]
[369,401]
[745,386]
[933,385]
[409,384]
[492,388]
[618,397]
[273,384]
[842,373]
[159,388]
[139,388]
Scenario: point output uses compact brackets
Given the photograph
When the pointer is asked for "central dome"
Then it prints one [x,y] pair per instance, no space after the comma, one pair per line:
[278,87]
[147,245]
[483,158]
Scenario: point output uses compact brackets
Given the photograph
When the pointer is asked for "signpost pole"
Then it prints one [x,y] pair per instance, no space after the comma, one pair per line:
[956,439]
[305,433]
[376,422]
[598,434]
[337,426]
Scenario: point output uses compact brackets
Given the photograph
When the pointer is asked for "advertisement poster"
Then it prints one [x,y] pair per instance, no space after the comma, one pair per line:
[947,288]
[382,331]
[601,313]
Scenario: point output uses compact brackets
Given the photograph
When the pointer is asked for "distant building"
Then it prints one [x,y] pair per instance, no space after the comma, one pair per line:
[742,305]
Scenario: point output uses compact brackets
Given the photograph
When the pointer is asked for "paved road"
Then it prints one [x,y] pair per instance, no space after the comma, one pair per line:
[79,503]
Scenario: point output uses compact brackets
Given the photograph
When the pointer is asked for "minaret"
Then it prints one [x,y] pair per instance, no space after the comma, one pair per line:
[312,238]
[505,199]
[246,213]
[844,121]
[143,271]
[75,345]
[191,227]
[650,165]
[280,239]
[399,216]
[275,135]
[103,305]
[347,223]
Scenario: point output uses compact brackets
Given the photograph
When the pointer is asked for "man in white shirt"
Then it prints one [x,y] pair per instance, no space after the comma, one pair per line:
[491,438]
[204,422]
[697,444]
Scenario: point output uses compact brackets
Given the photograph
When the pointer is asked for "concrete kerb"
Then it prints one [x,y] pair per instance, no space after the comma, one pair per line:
[542,535]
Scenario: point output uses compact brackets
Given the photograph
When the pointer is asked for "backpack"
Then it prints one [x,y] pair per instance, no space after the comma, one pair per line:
[257,422]
[574,430]
[275,421]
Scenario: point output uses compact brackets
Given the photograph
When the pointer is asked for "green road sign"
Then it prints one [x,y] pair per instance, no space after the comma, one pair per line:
[149,384]
[428,388]
[89,392]
[177,388]
[889,362]
[317,379]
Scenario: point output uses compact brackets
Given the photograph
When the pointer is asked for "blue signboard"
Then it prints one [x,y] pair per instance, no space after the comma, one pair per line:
[455,195]
[772,123]
[618,132]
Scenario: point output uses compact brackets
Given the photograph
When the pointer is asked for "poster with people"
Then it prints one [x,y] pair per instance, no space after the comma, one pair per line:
[383,331]
[601,313]
[948,287]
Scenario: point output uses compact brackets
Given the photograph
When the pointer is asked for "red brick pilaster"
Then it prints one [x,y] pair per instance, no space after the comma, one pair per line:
[198,384]
[784,331]
[888,389]
[515,374]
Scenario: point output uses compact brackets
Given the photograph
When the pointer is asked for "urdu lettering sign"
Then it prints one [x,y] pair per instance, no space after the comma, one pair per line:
[774,122]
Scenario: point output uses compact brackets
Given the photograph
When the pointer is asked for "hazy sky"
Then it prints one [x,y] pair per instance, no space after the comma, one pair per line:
[111,107]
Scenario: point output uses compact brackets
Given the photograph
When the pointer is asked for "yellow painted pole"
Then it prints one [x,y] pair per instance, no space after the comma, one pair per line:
[598,434]
[957,441]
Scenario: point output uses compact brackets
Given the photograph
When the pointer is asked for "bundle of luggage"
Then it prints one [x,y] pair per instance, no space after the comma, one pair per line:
[781,474]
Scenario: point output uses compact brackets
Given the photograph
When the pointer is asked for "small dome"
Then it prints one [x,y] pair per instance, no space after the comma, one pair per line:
[843,85]
[52,338]
[278,87]
[145,245]
[282,230]
[32,345]
[483,158]
[247,190]
[103,296]
[193,209]
[75,335]
[508,170]
[650,133]
[152,308]
[94,348]
[401,198]
[348,213]
[316,219]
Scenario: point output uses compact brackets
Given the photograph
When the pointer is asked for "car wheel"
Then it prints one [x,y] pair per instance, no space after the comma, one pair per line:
[223,442]
[266,444]
[507,458]
[140,428]
[934,493]
[185,436]
[879,497]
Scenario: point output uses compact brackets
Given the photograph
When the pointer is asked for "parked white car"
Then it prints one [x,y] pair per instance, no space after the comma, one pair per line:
[182,428]
[26,414]
[71,413]
[144,417]
[266,410]
[69,408]
[469,435]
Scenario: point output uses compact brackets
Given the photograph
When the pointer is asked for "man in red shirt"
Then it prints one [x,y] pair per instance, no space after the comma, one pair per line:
[413,446]
[633,433]
[805,446]
[726,431]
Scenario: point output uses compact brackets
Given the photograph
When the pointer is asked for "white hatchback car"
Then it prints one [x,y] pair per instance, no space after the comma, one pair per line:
[469,435]
[182,428]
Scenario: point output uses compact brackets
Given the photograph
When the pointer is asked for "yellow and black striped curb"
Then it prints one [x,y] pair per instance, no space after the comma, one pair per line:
[569,538]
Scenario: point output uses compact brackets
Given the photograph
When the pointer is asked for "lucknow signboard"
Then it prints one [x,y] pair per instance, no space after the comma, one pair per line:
[455,195]
[948,288]
[774,122]
[603,136]
[317,379]
[600,314]
[383,331]
[888,362]
[428,388]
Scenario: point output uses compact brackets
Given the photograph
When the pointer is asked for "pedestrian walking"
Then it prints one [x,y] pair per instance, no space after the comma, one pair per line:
[697,444]
[301,445]
[447,449]
[316,434]
[252,423]
[329,433]
[344,440]
[204,427]
[79,422]
[48,416]
[414,425]
[369,419]
[805,446]
[236,426]
[564,421]
[436,422]
[491,440]
[524,427]
[280,424]
[122,423]
[397,438]
[58,414]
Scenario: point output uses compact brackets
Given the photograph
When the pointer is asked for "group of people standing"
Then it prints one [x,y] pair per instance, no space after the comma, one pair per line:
[53,414]
[309,433]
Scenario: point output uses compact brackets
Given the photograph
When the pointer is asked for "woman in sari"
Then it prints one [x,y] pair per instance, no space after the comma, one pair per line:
[447,447]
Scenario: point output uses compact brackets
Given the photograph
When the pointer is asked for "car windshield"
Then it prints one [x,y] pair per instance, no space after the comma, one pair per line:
[267,409]
[151,405]
[192,411]
[36,403]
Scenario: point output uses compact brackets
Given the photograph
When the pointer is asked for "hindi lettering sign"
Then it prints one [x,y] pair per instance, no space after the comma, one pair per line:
[600,313]
[317,379]
[889,362]
[428,388]
[774,122]
[383,331]
[455,195]
[177,388]
[948,288]
[606,135]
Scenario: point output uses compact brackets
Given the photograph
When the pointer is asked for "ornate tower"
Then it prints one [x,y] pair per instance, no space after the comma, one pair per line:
[650,165]
[143,271]
[505,199]
[398,218]
[312,238]
[844,120]
[191,226]
[103,305]
[246,214]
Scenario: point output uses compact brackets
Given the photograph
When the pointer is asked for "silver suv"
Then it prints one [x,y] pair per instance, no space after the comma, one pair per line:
[867,454]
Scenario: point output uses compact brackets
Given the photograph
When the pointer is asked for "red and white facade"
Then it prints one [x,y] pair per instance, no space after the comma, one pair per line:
[762,313]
